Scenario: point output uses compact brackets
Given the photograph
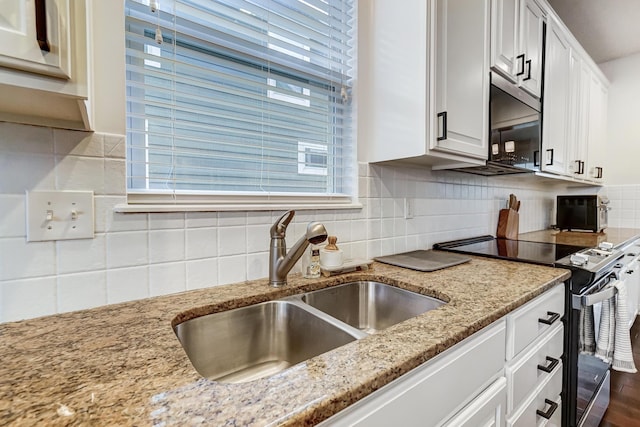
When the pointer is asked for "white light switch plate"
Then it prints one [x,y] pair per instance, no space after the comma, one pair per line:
[59,215]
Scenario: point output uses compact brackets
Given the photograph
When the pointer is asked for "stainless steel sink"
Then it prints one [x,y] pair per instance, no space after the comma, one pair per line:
[260,340]
[257,341]
[370,306]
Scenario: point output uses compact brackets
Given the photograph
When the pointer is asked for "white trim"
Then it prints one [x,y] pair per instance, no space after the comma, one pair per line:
[193,202]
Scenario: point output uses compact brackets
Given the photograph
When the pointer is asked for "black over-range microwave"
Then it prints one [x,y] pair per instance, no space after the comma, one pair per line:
[515,123]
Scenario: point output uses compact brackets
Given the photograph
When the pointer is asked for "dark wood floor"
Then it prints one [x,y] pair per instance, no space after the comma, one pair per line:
[624,407]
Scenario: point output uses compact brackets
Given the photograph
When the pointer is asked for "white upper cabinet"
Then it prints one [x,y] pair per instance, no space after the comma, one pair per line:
[574,109]
[461,77]
[516,42]
[43,63]
[403,99]
[34,37]
[556,101]
[597,132]
[578,116]
[529,70]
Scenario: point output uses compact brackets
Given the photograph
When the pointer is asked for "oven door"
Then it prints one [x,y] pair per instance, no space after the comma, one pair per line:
[592,394]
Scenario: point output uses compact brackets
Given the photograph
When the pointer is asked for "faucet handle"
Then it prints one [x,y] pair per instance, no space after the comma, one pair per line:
[280,226]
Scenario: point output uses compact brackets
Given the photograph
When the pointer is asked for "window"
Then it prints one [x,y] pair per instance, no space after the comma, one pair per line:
[240,98]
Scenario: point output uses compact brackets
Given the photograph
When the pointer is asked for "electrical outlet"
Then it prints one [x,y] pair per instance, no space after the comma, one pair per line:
[59,215]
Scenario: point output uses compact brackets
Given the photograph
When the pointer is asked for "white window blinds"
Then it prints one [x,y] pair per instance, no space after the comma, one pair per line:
[240,97]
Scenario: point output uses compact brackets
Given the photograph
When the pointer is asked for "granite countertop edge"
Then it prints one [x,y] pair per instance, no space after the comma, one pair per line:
[122,364]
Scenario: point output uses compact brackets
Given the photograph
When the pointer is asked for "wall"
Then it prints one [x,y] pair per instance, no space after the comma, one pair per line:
[140,255]
[623,130]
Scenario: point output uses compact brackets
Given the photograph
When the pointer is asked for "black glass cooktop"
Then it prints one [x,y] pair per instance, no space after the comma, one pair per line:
[519,250]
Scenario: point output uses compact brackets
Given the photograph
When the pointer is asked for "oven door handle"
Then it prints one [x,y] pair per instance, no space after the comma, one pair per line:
[580,301]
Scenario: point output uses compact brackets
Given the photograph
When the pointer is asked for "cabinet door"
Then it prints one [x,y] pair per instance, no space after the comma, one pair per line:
[462,77]
[487,410]
[580,76]
[434,392]
[38,45]
[531,30]
[556,102]
[596,129]
[504,37]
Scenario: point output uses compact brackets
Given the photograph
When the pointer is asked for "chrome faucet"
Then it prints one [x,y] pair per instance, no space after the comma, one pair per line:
[281,262]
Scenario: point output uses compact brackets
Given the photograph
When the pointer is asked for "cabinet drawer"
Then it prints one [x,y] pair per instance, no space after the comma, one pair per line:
[533,319]
[487,410]
[530,368]
[548,391]
[435,391]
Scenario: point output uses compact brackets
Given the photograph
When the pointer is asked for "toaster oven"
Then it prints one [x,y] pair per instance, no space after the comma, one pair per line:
[582,213]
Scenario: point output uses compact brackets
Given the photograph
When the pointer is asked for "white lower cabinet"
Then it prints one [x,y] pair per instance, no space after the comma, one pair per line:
[543,407]
[434,392]
[535,345]
[509,373]
[486,410]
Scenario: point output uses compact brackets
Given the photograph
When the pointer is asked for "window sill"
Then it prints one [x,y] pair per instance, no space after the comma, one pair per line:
[153,203]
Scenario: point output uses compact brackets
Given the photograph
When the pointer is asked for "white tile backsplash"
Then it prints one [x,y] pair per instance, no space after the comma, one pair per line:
[12,215]
[167,278]
[81,255]
[27,298]
[126,284]
[202,273]
[166,245]
[127,249]
[21,260]
[82,290]
[139,255]
[80,173]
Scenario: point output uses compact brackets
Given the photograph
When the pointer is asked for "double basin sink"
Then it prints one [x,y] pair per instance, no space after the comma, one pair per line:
[260,340]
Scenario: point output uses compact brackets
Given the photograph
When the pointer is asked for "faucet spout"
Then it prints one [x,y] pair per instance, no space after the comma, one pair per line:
[281,262]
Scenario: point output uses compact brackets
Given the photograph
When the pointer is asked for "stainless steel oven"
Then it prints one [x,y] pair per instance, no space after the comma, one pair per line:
[589,383]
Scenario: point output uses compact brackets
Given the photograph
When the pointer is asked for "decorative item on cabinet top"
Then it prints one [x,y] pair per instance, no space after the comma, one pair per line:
[43,63]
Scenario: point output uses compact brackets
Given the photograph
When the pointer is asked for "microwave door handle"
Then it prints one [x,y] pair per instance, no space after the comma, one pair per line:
[581,301]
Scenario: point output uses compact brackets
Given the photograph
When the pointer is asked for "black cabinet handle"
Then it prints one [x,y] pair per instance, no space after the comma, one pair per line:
[599,172]
[550,150]
[549,413]
[520,59]
[41,25]
[536,162]
[582,168]
[552,318]
[551,366]
[444,126]
[528,71]
[578,171]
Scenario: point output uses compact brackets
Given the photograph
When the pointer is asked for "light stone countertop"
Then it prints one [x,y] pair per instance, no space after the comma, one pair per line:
[123,365]
[618,236]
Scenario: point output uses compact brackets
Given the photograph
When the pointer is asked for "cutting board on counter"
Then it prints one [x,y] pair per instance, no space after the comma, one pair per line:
[424,260]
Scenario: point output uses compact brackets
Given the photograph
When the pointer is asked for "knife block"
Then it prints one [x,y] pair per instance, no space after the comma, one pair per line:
[508,223]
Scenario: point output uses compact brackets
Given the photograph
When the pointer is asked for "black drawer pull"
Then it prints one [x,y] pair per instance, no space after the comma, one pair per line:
[551,366]
[552,318]
[552,408]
